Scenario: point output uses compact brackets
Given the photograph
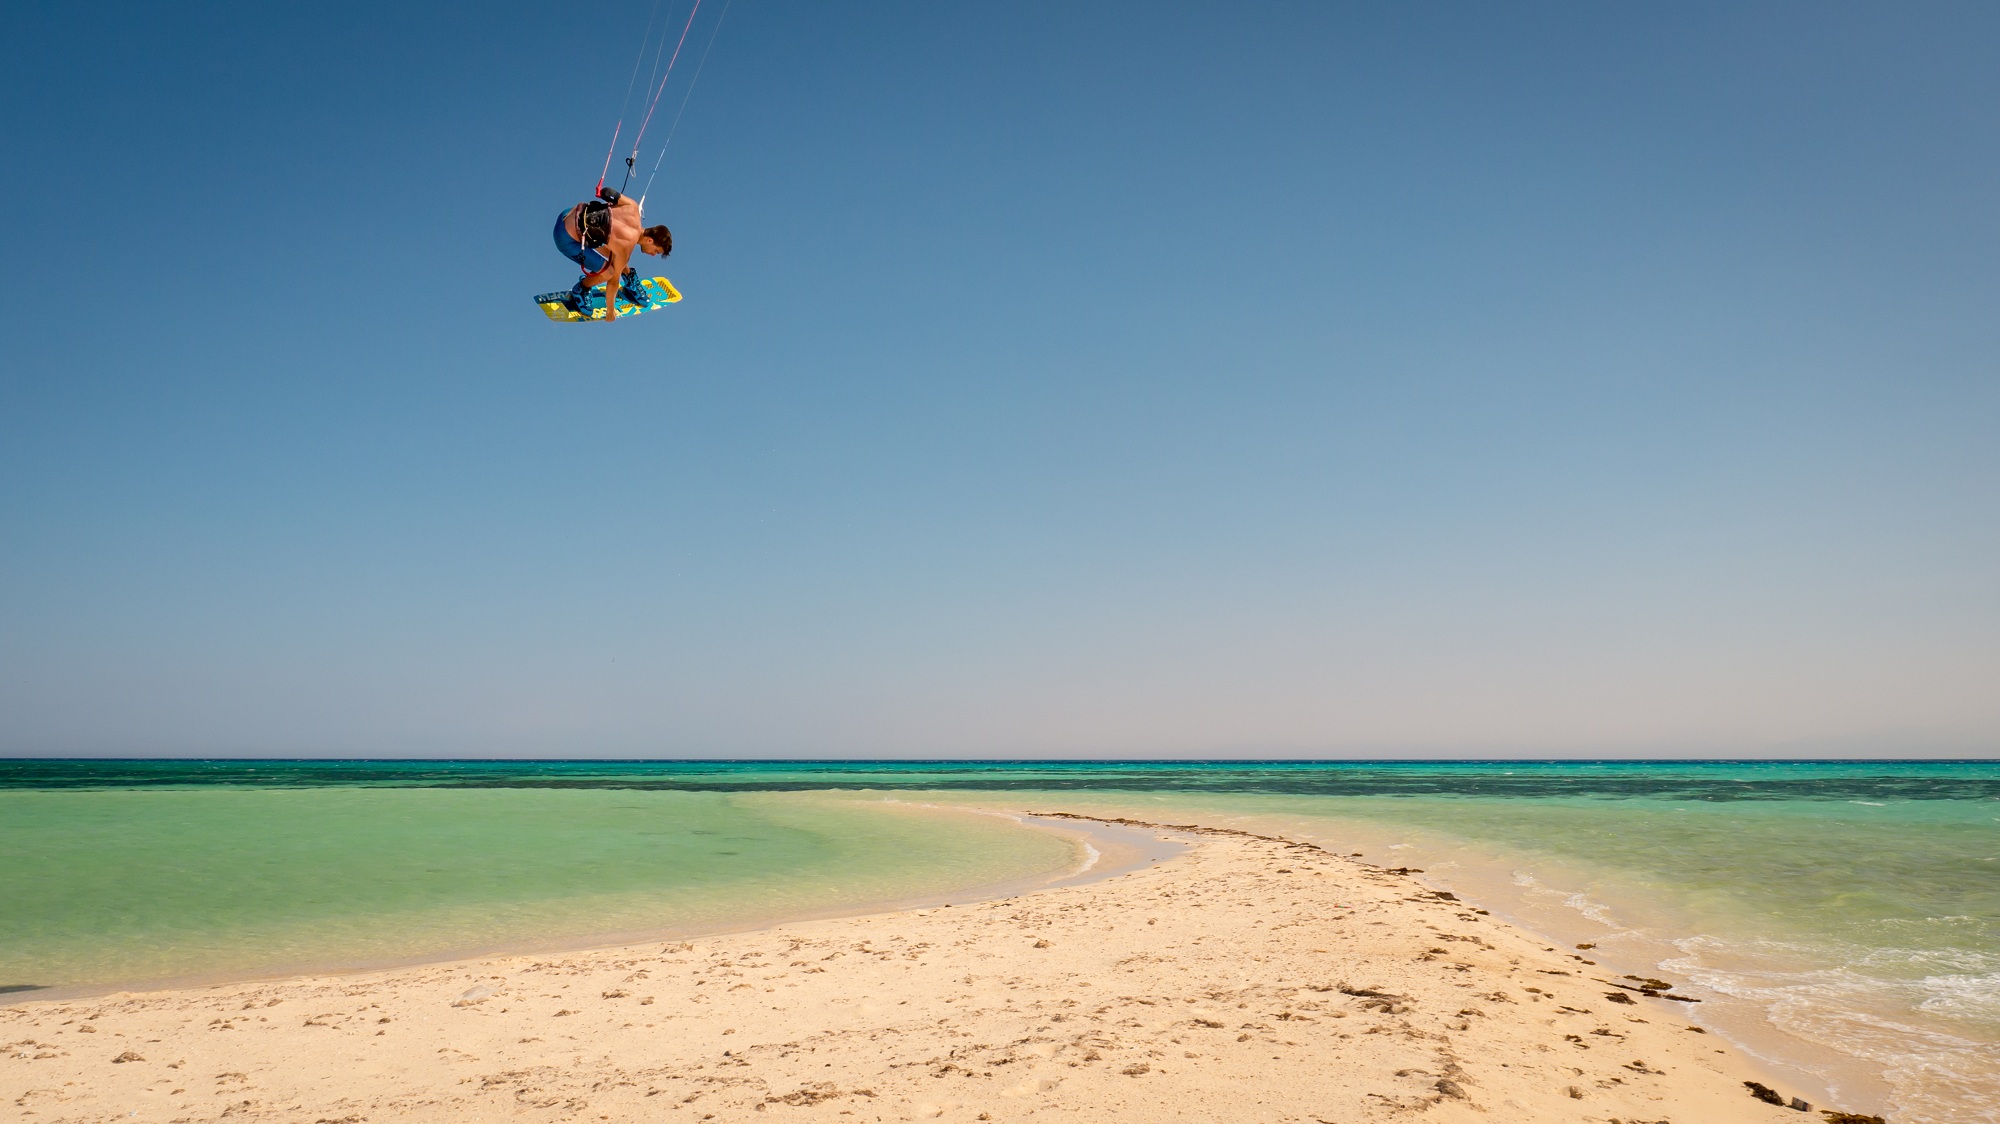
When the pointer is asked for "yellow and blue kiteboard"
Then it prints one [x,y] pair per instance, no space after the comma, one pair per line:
[659,288]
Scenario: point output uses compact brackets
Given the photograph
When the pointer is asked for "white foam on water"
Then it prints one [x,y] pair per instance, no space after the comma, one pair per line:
[1934,1076]
[1577,901]
[1090,857]
[1965,997]
[1596,911]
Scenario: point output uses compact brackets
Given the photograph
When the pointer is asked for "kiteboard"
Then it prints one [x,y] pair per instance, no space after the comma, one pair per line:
[659,288]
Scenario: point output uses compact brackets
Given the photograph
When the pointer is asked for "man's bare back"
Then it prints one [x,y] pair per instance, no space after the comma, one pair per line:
[625,233]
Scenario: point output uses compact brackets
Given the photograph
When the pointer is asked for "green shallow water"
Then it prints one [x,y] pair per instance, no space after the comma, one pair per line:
[127,885]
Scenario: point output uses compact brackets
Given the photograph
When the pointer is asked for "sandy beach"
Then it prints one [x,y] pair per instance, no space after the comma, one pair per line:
[1250,978]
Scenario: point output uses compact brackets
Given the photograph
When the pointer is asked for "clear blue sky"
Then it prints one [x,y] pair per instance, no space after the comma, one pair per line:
[1053,378]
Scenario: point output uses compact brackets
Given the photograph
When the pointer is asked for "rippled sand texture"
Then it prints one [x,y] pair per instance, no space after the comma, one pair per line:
[1250,980]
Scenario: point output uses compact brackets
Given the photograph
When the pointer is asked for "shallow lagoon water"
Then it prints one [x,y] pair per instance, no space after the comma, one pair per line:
[1850,910]
[139,885]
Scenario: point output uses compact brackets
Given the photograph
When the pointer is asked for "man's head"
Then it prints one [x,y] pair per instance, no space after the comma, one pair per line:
[657,241]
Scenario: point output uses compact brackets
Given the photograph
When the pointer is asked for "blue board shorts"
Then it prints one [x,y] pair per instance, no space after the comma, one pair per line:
[590,261]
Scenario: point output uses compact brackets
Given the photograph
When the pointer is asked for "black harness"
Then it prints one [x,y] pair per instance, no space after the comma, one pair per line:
[594,224]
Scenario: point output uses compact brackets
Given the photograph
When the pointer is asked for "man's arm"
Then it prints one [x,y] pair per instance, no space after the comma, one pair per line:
[617,250]
[614,275]
[610,276]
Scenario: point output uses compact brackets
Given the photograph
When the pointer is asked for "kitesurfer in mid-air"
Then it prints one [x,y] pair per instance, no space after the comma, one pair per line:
[599,235]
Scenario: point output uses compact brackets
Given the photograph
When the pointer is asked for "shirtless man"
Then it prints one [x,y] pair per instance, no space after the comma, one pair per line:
[600,237]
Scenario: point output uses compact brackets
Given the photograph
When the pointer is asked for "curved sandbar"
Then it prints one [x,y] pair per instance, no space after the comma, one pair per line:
[1251,979]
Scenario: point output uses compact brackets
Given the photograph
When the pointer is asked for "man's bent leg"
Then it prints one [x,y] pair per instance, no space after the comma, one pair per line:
[631,290]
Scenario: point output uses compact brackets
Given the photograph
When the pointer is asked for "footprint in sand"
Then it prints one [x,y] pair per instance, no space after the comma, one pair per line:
[1031,1086]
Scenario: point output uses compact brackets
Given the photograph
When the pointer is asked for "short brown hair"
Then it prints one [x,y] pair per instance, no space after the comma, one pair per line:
[661,237]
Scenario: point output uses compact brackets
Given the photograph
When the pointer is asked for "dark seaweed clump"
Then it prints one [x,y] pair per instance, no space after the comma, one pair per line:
[1764,1093]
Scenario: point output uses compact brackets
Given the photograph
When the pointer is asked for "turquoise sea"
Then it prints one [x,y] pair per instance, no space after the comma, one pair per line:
[1841,918]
